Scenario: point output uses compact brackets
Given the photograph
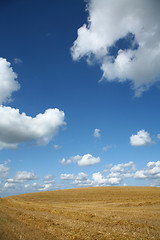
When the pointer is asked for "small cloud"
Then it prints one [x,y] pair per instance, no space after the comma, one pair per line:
[22,176]
[4,170]
[65,162]
[142,138]
[17,61]
[114,180]
[88,160]
[116,173]
[122,167]
[85,160]
[56,146]
[97,133]
[67,176]
[49,177]
[81,180]
[158,135]
[46,187]
[106,148]
[107,167]
[8,145]
[99,179]
[9,185]
[152,172]
[76,158]
[49,181]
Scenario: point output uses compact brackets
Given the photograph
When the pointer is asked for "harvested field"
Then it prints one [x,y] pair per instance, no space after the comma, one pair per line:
[84,213]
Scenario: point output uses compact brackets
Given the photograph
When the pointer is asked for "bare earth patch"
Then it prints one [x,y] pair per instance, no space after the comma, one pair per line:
[86,213]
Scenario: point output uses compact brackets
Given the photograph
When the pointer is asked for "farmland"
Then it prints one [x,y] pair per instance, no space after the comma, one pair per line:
[83,213]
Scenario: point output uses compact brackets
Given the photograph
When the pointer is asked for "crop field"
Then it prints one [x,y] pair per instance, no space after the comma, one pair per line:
[85,213]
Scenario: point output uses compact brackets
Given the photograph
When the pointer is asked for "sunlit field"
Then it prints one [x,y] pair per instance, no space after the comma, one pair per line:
[84,213]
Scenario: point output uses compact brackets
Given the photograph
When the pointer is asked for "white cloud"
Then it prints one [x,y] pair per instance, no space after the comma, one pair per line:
[4,170]
[142,138]
[15,185]
[82,176]
[99,179]
[22,176]
[85,160]
[107,168]
[65,162]
[8,83]
[12,180]
[9,185]
[122,167]
[107,147]
[114,180]
[88,160]
[152,172]
[67,176]
[138,24]
[82,180]
[140,174]
[46,187]
[121,171]
[76,158]
[115,174]
[17,61]
[49,177]
[17,128]
[8,145]
[158,136]
[56,146]
[49,181]
[97,133]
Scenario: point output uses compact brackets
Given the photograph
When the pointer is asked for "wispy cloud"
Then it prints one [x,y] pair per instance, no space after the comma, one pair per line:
[4,170]
[56,146]
[17,61]
[106,148]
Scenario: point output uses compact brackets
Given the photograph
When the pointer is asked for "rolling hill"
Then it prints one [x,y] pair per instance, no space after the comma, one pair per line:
[84,213]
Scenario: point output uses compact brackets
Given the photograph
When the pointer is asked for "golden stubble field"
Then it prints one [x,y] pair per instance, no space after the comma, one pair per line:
[84,213]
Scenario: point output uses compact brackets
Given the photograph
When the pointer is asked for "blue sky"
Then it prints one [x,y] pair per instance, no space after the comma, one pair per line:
[79,94]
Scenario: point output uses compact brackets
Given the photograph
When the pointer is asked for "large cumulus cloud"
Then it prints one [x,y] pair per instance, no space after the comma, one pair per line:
[8,82]
[16,127]
[137,23]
